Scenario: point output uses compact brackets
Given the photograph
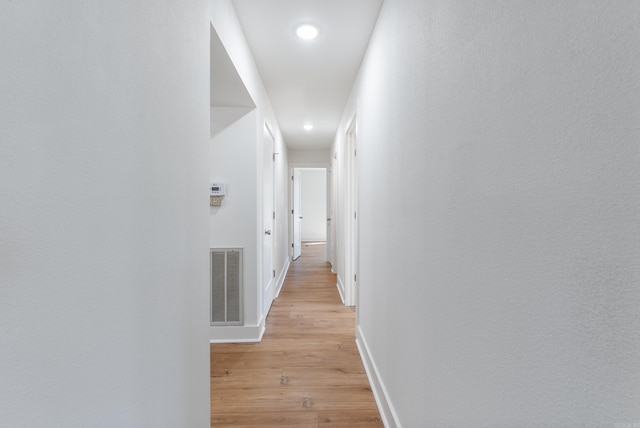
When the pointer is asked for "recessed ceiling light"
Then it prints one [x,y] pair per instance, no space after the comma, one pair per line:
[307,31]
[308,127]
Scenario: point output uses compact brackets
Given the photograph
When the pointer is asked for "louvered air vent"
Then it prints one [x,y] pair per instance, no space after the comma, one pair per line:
[226,286]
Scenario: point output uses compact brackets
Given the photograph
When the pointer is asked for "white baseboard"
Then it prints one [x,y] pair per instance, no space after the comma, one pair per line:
[340,287]
[283,275]
[385,407]
[236,333]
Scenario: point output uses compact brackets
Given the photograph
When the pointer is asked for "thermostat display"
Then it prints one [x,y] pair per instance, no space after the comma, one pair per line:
[218,189]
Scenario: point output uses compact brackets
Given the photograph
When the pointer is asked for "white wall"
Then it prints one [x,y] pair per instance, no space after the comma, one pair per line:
[308,157]
[232,160]
[237,153]
[313,195]
[104,120]
[499,280]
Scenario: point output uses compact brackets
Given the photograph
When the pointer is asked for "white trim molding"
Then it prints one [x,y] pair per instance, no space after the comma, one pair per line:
[385,407]
[236,333]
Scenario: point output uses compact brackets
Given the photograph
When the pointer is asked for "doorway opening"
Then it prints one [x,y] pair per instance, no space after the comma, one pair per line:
[309,208]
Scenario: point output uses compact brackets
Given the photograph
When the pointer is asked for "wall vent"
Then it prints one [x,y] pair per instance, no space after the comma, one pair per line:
[226,286]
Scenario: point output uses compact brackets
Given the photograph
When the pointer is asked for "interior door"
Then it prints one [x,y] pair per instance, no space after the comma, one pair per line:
[297,215]
[332,216]
[328,210]
[351,233]
[355,228]
[267,223]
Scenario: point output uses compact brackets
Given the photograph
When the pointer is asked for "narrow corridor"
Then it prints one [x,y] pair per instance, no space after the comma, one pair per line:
[306,372]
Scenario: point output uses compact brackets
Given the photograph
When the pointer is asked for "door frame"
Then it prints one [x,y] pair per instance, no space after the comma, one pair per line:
[332,212]
[351,230]
[296,217]
[292,166]
[268,291]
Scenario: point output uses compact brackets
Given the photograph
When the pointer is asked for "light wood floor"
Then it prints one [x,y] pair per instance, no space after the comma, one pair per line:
[306,372]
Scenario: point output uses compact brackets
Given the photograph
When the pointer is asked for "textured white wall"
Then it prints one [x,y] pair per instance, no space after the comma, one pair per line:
[306,157]
[313,192]
[103,260]
[232,160]
[499,282]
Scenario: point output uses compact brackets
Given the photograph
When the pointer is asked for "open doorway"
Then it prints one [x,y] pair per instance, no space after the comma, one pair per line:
[309,208]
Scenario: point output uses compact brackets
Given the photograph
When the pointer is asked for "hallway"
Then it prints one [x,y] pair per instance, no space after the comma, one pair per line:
[306,372]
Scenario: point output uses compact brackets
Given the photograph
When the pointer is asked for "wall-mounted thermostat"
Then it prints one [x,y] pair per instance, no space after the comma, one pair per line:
[218,189]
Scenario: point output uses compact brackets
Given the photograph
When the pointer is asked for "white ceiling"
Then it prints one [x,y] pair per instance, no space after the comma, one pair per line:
[308,81]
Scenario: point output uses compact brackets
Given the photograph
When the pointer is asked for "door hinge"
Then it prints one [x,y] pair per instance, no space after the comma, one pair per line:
[292,178]
[355,215]
[355,278]
[274,157]
[274,273]
[292,245]
[291,211]
[274,215]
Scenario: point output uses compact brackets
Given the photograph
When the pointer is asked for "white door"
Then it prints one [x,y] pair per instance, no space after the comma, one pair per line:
[332,216]
[329,215]
[297,215]
[267,224]
[351,226]
[355,239]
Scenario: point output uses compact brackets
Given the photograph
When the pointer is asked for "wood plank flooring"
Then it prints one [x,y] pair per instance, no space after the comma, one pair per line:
[306,372]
